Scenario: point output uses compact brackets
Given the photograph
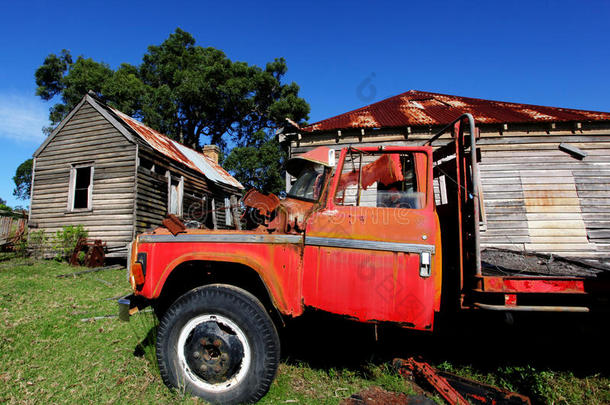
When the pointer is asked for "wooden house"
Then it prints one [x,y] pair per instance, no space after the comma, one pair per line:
[117,177]
[545,171]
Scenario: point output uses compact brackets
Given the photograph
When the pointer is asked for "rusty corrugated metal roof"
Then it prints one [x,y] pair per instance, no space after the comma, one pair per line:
[178,152]
[415,108]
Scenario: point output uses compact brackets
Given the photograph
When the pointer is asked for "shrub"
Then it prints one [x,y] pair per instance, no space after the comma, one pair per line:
[66,239]
[37,242]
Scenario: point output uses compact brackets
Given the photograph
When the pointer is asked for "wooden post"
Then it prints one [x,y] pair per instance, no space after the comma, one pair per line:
[235,213]
[214,219]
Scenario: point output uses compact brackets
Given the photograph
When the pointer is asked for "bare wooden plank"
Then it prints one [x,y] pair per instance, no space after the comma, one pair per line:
[544,139]
[506,217]
[506,224]
[534,154]
[592,186]
[566,247]
[599,233]
[100,151]
[505,210]
[504,239]
[550,224]
[559,239]
[556,232]
[594,209]
[543,166]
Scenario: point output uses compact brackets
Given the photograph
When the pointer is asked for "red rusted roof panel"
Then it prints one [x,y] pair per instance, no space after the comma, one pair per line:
[179,153]
[415,108]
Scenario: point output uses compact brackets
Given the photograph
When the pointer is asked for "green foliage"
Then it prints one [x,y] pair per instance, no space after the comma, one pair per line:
[65,240]
[193,94]
[21,246]
[23,180]
[37,243]
[258,165]
[526,379]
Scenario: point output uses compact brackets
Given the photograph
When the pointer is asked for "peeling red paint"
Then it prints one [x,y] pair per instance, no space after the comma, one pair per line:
[533,285]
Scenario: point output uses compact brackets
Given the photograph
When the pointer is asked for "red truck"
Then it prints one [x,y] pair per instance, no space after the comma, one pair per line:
[383,235]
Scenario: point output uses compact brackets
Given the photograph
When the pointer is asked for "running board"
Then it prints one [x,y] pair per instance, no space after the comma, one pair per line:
[529,308]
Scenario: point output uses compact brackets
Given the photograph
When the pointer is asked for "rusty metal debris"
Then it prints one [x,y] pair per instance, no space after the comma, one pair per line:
[264,204]
[379,396]
[454,389]
[174,224]
[94,252]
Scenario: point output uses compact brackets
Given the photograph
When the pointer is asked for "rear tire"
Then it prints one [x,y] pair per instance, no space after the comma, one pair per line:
[217,342]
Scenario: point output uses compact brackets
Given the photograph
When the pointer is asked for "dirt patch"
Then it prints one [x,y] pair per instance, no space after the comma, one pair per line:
[508,262]
[379,396]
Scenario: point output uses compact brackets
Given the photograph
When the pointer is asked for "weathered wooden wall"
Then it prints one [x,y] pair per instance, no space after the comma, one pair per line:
[127,198]
[540,198]
[87,137]
[152,193]
[537,197]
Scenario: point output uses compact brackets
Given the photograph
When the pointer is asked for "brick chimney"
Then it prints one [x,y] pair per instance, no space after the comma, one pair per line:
[211,152]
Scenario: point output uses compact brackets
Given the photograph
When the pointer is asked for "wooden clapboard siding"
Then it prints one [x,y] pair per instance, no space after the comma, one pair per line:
[87,137]
[152,193]
[127,198]
[555,189]
[536,196]
[593,189]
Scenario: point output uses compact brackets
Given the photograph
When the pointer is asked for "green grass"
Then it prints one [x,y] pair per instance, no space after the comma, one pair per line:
[48,355]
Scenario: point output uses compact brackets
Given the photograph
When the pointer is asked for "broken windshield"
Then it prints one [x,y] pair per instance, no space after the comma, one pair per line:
[309,184]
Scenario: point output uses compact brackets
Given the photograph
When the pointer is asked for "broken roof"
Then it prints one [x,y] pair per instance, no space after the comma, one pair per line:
[415,108]
[178,152]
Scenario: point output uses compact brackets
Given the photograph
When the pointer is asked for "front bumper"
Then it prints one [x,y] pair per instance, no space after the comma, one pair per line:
[130,304]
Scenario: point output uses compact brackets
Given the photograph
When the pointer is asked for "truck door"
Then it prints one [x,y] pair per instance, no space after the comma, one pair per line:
[373,251]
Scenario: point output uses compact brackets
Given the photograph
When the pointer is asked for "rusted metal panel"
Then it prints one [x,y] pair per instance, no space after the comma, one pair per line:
[533,285]
[174,224]
[273,257]
[179,153]
[369,286]
[415,108]
[321,155]
[373,283]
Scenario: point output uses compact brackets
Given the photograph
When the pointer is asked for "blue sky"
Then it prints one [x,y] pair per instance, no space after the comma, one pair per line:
[539,52]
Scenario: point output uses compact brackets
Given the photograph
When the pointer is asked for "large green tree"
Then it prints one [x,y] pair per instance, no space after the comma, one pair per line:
[23,180]
[193,94]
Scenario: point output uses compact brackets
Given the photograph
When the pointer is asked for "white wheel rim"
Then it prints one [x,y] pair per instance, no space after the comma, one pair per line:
[193,378]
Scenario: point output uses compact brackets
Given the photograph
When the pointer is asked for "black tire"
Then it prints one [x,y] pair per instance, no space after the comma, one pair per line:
[217,342]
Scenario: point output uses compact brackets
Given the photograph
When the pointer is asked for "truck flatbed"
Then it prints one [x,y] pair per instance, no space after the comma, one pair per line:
[504,262]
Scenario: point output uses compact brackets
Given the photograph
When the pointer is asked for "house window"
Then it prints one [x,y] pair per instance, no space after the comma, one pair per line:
[147,164]
[81,187]
[174,195]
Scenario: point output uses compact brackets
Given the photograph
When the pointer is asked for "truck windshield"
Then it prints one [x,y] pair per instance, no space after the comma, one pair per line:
[309,184]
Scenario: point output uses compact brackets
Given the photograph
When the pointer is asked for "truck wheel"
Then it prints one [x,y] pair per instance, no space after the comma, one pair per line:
[218,342]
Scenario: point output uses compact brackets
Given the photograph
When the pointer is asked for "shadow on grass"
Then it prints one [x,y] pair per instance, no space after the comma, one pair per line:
[562,342]
[483,343]
[147,344]
[570,342]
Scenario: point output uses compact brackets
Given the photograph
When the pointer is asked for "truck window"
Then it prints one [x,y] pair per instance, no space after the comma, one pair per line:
[309,184]
[396,180]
